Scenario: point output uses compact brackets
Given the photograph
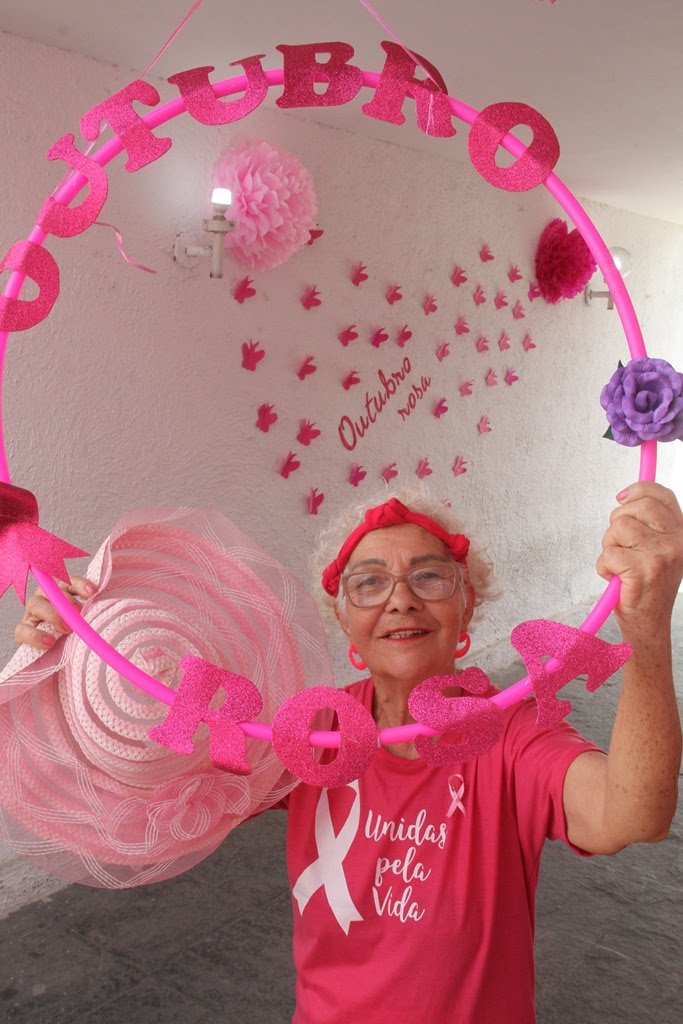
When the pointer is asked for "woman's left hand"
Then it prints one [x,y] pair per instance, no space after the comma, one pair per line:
[630,795]
[644,547]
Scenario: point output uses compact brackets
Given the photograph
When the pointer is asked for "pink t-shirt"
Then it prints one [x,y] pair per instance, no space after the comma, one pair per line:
[405,914]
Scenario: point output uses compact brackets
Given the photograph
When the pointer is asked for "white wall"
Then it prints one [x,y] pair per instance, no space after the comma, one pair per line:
[131,392]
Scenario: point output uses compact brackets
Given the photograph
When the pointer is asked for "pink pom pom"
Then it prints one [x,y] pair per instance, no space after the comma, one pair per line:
[564,263]
[274,204]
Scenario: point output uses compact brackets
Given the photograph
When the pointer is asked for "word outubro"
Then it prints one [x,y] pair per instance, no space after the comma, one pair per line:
[303,72]
[352,430]
[469,726]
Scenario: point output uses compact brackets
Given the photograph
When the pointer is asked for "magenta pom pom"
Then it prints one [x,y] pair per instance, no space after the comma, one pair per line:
[564,263]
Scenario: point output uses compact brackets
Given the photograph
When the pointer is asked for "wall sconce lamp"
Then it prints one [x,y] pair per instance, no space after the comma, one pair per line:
[623,262]
[187,251]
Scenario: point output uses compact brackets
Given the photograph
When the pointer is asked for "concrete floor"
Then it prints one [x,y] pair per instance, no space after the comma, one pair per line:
[213,946]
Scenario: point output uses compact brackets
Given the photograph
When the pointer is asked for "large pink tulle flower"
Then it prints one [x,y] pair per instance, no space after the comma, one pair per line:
[274,204]
[564,263]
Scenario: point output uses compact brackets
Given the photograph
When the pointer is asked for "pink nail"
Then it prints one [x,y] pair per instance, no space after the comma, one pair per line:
[48,640]
[622,495]
[91,588]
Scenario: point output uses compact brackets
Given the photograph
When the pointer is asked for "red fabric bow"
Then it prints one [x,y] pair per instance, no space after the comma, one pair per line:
[391,513]
[23,543]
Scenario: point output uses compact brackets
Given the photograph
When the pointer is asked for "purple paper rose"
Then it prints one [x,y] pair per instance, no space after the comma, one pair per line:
[644,402]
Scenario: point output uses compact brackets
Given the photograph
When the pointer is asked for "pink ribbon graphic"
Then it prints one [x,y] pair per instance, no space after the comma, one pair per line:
[328,871]
[456,795]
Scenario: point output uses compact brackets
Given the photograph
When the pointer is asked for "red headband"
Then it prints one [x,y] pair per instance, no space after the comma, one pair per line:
[391,513]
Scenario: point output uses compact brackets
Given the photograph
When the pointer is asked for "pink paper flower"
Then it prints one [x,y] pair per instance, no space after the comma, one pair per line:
[459,466]
[389,472]
[266,417]
[358,274]
[348,334]
[307,368]
[404,335]
[356,475]
[307,432]
[315,500]
[564,263]
[289,465]
[274,204]
[252,354]
[243,290]
[310,298]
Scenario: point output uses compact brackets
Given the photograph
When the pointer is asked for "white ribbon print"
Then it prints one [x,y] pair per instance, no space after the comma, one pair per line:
[328,871]
[456,794]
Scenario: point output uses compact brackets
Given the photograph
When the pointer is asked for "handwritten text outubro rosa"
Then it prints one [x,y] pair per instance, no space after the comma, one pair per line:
[302,72]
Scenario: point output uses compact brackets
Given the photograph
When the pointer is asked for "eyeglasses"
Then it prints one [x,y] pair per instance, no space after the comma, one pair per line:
[427,583]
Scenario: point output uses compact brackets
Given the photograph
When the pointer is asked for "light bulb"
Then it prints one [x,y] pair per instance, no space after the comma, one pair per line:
[221,197]
[622,260]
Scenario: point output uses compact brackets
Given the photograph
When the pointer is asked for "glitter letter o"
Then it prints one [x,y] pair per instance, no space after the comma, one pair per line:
[292,726]
[533,167]
[37,263]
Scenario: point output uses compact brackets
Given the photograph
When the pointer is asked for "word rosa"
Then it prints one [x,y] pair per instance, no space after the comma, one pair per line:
[554,654]
[417,392]
[350,431]
[301,76]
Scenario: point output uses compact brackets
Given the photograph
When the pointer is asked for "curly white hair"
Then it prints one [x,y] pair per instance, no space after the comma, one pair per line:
[330,540]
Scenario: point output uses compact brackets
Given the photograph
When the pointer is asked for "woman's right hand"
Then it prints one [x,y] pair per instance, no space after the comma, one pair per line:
[39,610]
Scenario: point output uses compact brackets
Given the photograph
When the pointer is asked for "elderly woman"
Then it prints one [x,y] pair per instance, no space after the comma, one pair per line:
[414,886]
